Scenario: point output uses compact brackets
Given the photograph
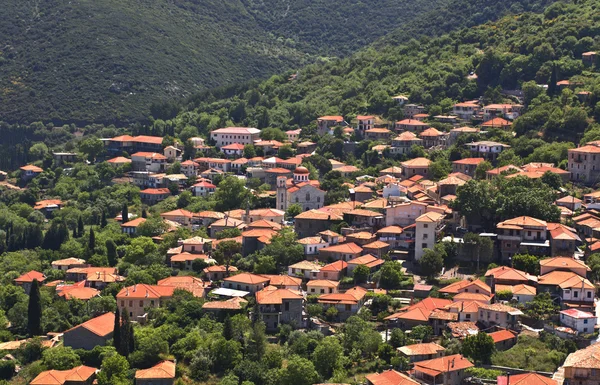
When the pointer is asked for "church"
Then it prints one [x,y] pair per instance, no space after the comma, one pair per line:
[299,190]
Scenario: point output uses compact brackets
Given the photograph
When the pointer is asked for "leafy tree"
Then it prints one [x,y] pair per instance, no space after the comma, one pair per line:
[227,328]
[293,210]
[361,274]
[126,333]
[481,169]
[526,262]
[273,134]
[258,341]
[390,275]
[479,347]
[541,307]
[397,338]
[7,369]
[421,333]
[553,180]
[432,261]
[225,251]
[231,193]
[114,371]
[60,358]
[299,371]
[34,310]
[249,151]
[478,248]
[265,264]
[285,152]
[226,354]
[593,261]
[92,147]
[328,356]
[284,248]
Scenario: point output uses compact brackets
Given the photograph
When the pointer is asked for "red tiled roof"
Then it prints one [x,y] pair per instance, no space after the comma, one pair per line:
[30,276]
[162,370]
[390,377]
[502,335]
[101,326]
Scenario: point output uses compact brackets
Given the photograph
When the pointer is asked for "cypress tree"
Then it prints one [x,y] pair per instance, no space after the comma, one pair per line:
[131,344]
[111,252]
[75,232]
[125,334]
[117,330]
[80,228]
[125,213]
[144,214]
[103,221]
[227,328]
[92,241]
[34,310]
[553,80]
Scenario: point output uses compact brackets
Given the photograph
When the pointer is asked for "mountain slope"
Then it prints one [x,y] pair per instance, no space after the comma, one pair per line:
[433,71]
[96,60]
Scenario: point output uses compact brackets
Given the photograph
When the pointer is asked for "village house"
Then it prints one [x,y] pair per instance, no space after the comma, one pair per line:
[455,133]
[343,252]
[347,303]
[190,168]
[181,216]
[389,377]
[584,163]
[162,373]
[564,264]
[68,263]
[130,227]
[402,144]
[225,223]
[203,189]
[500,123]
[27,279]
[148,161]
[304,269]
[382,134]
[522,293]
[293,135]
[312,245]
[580,321]
[280,306]
[135,299]
[449,370]
[321,286]
[569,287]
[325,124]
[412,125]
[523,235]
[429,225]
[500,315]
[466,166]
[245,281]
[416,166]
[94,277]
[466,110]
[234,150]
[410,110]
[300,190]
[433,138]
[131,144]
[364,123]
[218,272]
[94,332]
[466,286]
[152,196]
[581,366]
[30,171]
[504,339]
[508,111]
[306,147]
[403,214]
[79,375]
[486,149]
[312,222]
[242,135]
[333,271]
[118,161]
[421,352]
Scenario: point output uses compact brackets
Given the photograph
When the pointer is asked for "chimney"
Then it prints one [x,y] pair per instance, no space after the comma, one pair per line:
[146,293]
[134,287]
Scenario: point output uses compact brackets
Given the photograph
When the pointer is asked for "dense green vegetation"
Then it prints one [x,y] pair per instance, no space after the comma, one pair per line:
[108,61]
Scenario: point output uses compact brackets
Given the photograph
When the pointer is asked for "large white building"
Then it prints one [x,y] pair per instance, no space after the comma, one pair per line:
[428,226]
[230,135]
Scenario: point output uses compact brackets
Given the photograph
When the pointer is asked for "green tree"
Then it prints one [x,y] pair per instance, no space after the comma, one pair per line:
[284,248]
[479,347]
[526,262]
[92,241]
[125,213]
[327,357]
[361,274]
[114,371]
[227,328]
[481,169]
[542,307]
[103,221]
[390,275]
[479,249]
[432,261]
[111,252]
[34,310]
[397,338]
[299,371]
[257,343]
[60,358]
[92,147]
[421,333]
[249,151]
[231,193]
[553,180]
[293,210]
[117,330]
[80,227]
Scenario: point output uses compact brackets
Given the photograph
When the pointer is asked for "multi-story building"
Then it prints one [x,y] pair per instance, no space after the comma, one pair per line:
[411,125]
[378,134]
[410,110]
[325,124]
[402,144]
[580,321]
[466,110]
[455,133]
[429,226]
[417,166]
[466,166]
[584,163]
[300,190]
[364,123]
[148,161]
[242,135]
[131,144]
[432,137]
[581,367]
[487,149]
[508,111]
[280,306]
[449,370]
[523,235]
[246,282]
[135,299]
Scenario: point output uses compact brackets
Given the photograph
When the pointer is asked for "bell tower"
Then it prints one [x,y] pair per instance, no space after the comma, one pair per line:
[281,193]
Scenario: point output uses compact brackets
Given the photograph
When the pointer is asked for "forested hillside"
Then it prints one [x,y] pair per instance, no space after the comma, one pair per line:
[108,61]
[432,71]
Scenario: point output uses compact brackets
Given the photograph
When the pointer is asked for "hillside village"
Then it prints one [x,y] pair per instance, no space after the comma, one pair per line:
[434,288]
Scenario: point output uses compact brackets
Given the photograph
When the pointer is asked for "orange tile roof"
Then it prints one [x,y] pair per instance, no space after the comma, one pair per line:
[335,266]
[502,335]
[421,349]
[322,283]
[276,297]
[178,213]
[134,223]
[377,245]
[350,297]
[141,291]
[443,315]
[247,278]
[519,289]
[30,276]
[417,162]
[368,260]
[390,377]
[336,118]
[469,161]
[185,256]
[441,365]
[454,288]
[586,149]
[152,155]
[411,122]
[219,269]
[282,280]
[47,202]
[101,326]
[32,168]
[162,370]
[319,215]
[431,132]
[508,273]
[79,374]
[564,262]
[81,293]
[496,122]
[565,280]
[345,248]
[465,306]
[414,314]
[524,221]
[69,261]
[530,379]
[588,358]
[472,297]
[235,303]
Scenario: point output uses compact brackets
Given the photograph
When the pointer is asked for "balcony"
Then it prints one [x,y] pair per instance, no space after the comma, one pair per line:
[504,237]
